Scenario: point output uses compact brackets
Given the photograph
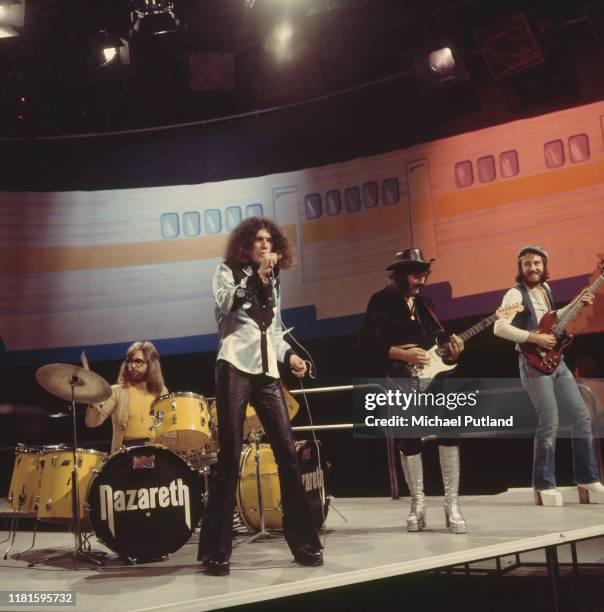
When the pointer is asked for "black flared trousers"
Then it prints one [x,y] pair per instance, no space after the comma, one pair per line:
[234,389]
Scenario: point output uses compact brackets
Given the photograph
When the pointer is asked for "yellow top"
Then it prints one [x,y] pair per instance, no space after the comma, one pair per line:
[139,421]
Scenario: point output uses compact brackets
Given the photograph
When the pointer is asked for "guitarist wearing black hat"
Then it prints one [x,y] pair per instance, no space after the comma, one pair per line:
[399,326]
[546,378]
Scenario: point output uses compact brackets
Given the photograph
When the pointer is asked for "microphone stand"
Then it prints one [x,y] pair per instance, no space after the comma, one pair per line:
[263,534]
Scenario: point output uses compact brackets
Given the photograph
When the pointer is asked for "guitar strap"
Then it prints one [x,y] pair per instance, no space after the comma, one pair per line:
[433,315]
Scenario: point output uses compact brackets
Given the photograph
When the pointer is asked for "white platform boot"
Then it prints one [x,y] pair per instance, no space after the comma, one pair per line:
[414,475]
[449,465]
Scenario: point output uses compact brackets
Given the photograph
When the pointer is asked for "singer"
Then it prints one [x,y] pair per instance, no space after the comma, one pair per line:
[247,308]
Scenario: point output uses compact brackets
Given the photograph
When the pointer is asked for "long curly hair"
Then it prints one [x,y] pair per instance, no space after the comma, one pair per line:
[241,243]
[154,377]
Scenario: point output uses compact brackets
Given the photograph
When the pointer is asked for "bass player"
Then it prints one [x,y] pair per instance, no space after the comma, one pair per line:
[548,390]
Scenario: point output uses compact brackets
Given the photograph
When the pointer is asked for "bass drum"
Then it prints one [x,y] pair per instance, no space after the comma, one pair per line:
[313,479]
[145,502]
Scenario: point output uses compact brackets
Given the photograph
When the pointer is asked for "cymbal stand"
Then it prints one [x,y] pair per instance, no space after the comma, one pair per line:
[263,534]
[78,553]
[14,527]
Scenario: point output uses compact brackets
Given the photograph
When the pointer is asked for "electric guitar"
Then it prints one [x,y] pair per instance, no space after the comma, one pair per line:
[437,366]
[547,360]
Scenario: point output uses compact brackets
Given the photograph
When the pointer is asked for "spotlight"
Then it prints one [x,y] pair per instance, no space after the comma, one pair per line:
[12,15]
[439,65]
[441,61]
[109,53]
[283,33]
[152,18]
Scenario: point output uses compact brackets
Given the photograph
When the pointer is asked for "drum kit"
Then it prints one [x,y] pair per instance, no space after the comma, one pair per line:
[144,502]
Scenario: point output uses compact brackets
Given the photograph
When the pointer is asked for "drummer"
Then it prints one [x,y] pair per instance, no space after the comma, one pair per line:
[139,383]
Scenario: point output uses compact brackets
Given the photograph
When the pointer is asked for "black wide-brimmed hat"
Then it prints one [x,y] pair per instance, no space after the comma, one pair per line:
[413,258]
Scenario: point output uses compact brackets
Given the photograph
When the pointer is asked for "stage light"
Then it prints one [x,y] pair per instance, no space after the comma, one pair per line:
[152,18]
[283,33]
[439,65]
[441,61]
[509,47]
[12,15]
[109,53]
[281,41]
[7,32]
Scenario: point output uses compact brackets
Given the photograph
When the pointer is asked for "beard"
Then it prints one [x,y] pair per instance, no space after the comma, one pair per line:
[536,279]
[135,377]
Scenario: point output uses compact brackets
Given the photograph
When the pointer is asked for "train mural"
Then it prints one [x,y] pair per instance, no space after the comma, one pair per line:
[97,269]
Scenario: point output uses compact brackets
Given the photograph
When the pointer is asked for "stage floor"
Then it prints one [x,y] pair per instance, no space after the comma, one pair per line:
[369,543]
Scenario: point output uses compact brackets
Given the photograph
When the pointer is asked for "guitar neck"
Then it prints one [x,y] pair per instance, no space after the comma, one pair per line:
[475,329]
[577,307]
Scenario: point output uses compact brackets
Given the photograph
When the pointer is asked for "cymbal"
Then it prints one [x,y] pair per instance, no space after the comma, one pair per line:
[292,404]
[88,387]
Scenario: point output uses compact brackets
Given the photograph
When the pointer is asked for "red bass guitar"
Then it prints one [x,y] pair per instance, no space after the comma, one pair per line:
[547,360]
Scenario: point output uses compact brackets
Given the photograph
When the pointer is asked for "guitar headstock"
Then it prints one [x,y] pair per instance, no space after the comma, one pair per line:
[509,311]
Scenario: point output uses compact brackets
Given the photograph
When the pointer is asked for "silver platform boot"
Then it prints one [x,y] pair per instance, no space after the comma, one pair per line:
[449,465]
[414,475]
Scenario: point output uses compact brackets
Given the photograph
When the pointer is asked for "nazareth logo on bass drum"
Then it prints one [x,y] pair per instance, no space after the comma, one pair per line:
[145,502]
[175,495]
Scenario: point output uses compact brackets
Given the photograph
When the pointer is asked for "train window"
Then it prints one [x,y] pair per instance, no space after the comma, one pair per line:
[578,147]
[554,153]
[370,195]
[191,224]
[486,169]
[314,205]
[212,221]
[333,202]
[254,210]
[353,199]
[508,164]
[464,176]
[169,225]
[232,217]
[390,191]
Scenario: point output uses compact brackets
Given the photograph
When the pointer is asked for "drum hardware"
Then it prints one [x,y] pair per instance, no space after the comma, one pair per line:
[25,480]
[263,534]
[75,385]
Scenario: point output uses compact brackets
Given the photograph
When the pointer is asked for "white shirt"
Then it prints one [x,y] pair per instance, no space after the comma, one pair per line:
[504,328]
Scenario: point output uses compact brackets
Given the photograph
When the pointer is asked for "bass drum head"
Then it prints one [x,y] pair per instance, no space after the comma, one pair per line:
[145,502]
[314,478]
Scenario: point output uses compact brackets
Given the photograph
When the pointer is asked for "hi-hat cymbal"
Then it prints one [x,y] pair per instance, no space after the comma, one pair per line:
[88,387]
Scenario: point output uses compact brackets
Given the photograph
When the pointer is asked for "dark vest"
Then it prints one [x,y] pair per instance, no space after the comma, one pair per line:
[527,319]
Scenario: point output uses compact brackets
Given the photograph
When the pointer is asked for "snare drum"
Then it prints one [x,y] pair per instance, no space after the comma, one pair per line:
[181,420]
[145,502]
[24,490]
[55,481]
[313,479]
